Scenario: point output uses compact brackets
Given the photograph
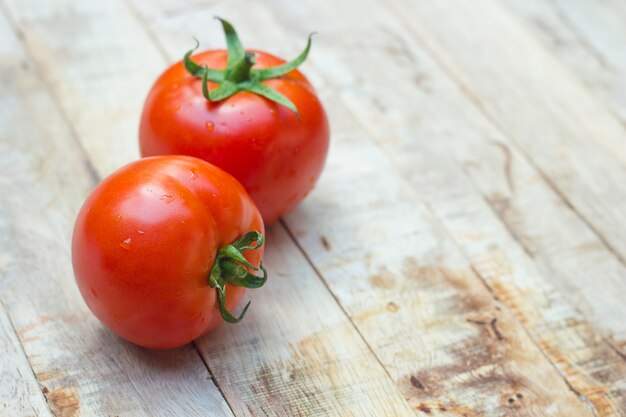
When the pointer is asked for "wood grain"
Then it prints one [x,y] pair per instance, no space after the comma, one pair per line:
[63,33]
[296,353]
[561,127]
[20,394]
[342,228]
[462,255]
[418,125]
[588,36]
[82,368]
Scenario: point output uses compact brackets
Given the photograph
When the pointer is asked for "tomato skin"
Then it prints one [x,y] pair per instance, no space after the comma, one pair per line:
[144,243]
[261,143]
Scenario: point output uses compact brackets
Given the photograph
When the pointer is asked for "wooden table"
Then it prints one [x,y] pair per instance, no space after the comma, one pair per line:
[464,253]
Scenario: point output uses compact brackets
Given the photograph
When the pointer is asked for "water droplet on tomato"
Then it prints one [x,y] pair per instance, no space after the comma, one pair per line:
[118,218]
[126,243]
[141,232]
[167,198]
[209,126]
[193,174]
[93,292]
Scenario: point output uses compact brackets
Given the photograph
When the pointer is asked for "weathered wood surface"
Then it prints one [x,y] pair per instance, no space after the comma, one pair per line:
[423,138]
[294,319]
[568,134]
[20,394]
[81,368]
[446,264]
[588,36]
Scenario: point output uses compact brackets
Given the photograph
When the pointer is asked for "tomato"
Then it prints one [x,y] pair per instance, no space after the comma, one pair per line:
[157,250]
[258,118]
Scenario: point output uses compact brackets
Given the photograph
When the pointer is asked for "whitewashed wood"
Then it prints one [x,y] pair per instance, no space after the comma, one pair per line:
[20,394]
[296,354]
[428,120]
[322,344]
[282,360]
[74,31]
[538,103]
[413,295]
[352,291]
[589,36]
[82,368]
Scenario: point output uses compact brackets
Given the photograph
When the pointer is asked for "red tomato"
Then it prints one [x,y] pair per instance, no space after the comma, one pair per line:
[276,156]
[153,249]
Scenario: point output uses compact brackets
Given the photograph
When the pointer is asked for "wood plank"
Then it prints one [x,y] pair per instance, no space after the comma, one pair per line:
[68,32]
[449,151]
[552,127]
[19,392]
[82,369]
[565,131]
[330,242]
[296,353]
[588,36]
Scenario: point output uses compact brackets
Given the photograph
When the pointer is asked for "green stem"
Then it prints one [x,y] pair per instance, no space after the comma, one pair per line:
[239,74]
[232,267]
[240,71]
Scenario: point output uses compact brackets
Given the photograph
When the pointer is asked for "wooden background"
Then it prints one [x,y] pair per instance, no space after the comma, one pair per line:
[464,253]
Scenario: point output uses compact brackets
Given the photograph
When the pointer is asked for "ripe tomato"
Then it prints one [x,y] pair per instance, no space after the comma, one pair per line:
[157,249]
[259,119]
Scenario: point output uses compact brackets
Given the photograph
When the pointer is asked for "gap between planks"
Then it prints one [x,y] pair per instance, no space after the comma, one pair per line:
[43,406]
[478,104]
[384,385]
[447,68]
[166,56]
[162,50]
[341,307]
[94,177]
[515,239]
[215,382]
[469,93]
[591,49]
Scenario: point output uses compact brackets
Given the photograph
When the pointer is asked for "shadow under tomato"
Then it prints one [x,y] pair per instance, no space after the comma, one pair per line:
[128,356]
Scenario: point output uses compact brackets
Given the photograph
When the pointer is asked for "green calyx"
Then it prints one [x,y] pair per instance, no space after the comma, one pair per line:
[232,267]
[239,74]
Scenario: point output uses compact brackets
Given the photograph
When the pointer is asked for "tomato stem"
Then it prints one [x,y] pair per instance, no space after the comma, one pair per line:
[232,267]
[239,74]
